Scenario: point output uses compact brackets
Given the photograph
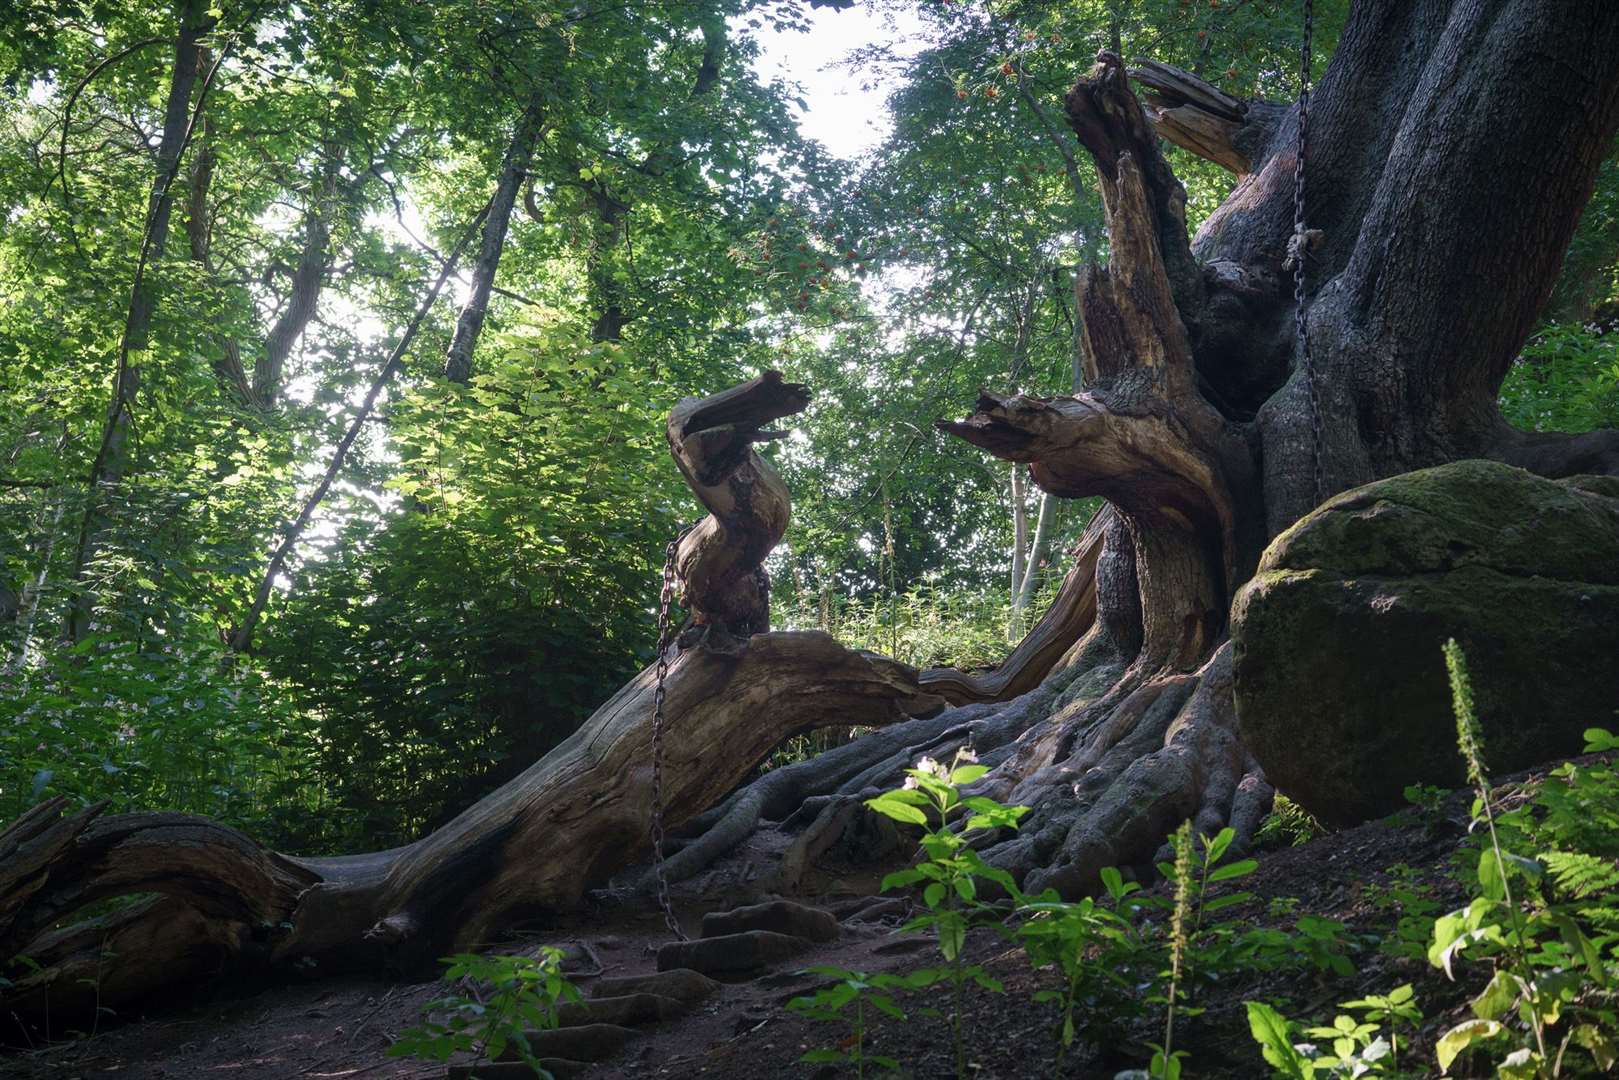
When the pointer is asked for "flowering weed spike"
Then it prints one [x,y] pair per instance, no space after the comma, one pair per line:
[1468,738]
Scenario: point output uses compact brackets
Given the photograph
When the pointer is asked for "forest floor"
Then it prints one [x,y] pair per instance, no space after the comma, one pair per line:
[341,1027]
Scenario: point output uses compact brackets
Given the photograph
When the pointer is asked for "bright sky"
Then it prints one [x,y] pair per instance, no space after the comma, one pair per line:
[846,119]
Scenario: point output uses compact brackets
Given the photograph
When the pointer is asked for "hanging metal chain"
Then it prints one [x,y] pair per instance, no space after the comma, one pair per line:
[1299,256]
[665,599]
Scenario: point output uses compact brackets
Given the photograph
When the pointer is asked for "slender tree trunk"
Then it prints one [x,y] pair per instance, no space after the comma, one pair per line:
[241,636]
[1020,528]
[308,278]
[513,171]
[111,459]
[1037,555]
[34,590]
[199,237]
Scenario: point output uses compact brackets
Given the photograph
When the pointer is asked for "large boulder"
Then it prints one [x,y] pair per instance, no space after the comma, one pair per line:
[1340,684]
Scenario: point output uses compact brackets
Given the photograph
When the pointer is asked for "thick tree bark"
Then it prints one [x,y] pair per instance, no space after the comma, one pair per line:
[513,171]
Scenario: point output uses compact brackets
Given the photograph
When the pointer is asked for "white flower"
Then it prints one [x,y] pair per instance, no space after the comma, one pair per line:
[966,753]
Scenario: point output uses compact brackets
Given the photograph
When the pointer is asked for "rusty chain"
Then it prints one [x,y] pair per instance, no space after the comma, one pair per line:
[665,600]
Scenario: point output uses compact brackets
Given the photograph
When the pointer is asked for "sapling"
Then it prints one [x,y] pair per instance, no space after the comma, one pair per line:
[951,869]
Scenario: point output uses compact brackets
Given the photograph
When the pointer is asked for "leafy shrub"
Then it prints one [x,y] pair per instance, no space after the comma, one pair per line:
[505,997]
[1567,379]
[950,872]
[1545,922]
[1287,825]
[832,1003]
[176,725]
[1364,1045]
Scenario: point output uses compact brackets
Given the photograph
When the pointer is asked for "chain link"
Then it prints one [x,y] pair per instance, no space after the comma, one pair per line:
[665,599]
[1301,258]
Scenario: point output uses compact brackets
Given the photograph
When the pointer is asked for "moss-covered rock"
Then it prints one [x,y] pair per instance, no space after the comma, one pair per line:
[1340,685]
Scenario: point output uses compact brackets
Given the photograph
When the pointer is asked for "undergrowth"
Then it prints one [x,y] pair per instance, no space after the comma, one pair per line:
[1541,927]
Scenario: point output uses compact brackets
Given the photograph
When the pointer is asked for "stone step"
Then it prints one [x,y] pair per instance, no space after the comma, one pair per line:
[625,1010]
[777,916]
[683,984]
[731,954]
[586,1042]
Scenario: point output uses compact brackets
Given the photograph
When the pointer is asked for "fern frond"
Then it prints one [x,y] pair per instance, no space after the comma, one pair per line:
[1580,875]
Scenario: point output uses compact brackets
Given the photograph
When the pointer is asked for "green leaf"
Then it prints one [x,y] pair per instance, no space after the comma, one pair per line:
[1599,740]
[1214,847]
[1497,997]
[891,807]
[1462,1036]
[1491,880]
[1270,1031]
[901,878]
[1600,1046]
[1522,1064]
[1234,870]
[1232,900]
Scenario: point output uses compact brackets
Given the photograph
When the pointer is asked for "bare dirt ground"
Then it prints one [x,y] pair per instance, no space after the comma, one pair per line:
[336,1028]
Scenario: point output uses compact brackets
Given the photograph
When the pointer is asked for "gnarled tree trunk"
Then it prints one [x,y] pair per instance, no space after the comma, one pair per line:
[1452,146]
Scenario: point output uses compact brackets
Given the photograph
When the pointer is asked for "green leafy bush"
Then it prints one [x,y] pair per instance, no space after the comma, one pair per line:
[950,871]
[173,724]
[1567,379]
[832,1003]
[1355,1046]
[1544,914]
[505,997]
